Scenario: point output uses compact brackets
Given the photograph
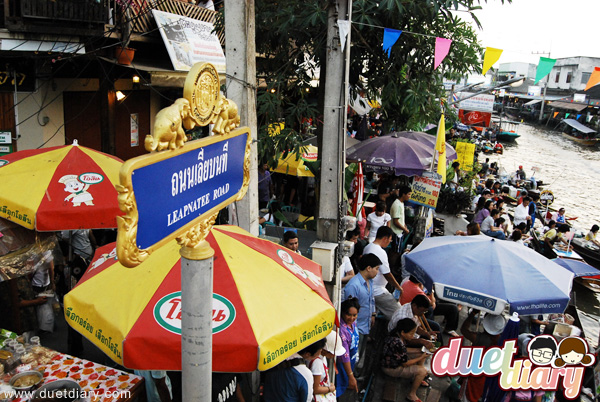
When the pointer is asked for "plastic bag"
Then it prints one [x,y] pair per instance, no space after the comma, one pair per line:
[45,315]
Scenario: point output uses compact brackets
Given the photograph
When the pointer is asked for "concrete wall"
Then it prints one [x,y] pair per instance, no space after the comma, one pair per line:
[577,67]
[47,102]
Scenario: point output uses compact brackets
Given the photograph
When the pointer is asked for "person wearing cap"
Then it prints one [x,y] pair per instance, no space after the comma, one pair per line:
[322,388]
[493,325]
[521,173]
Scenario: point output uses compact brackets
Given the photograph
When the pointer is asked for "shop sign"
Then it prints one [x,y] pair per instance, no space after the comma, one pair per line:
[5,137]
[425,191]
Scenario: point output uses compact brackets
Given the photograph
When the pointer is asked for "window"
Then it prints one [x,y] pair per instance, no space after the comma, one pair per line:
[557,77]
[585,77]
[569,76]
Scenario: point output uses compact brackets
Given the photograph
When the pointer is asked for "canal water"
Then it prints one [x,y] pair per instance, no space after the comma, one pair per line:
[572,173]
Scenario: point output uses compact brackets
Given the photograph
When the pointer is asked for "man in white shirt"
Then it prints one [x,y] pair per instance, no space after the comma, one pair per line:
[398,224]
[384,301]
[522,212]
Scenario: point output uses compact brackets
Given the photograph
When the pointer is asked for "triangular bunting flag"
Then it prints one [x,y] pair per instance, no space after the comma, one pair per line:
[594,78]
[344,27]
[567,115]
[491,56]
[555,114]
[442,47]
[578,116]
[390,36]
[543,69]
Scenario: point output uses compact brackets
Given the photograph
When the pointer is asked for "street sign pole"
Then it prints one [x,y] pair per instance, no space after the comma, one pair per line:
[176,192]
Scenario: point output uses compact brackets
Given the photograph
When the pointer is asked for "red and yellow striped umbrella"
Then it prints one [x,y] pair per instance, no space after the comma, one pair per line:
[268,303]
[60,188]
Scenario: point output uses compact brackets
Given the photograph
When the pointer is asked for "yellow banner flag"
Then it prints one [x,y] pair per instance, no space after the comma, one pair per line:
[440,147]
[465,154]
[491,56]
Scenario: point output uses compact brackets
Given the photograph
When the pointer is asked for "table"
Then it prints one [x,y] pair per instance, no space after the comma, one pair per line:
[102,383]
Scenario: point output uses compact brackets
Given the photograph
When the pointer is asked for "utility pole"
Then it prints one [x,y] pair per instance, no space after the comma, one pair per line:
[240,50]
[333,151]
[545,87]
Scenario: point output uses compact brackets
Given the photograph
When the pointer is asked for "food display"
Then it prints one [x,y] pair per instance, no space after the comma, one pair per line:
[26,380]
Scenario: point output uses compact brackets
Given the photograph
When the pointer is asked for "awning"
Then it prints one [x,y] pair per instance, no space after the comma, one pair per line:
[568,105]
[161,72]
[533,102]
[578,126]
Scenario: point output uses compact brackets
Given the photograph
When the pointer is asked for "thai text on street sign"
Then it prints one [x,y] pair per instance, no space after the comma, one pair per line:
[177,190]
[425,191]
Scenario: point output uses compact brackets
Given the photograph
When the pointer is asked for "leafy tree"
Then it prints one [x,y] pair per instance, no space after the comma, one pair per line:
[291,47]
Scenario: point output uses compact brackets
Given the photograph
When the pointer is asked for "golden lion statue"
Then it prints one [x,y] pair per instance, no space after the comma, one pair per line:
[169,125]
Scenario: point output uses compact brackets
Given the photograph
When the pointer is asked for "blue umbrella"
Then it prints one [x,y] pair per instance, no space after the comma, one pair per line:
[488,274]
[492,391]
[579,268]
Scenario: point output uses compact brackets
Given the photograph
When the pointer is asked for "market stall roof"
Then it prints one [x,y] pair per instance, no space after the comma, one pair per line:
[568,105]
[532,102]
[578,126]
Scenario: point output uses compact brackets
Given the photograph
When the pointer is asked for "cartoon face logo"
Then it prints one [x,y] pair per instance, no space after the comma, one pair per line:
[77,189]
[573,351]
[542,350]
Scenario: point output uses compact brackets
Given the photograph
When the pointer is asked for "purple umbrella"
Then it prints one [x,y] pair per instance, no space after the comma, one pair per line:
[392,154]
[426,139]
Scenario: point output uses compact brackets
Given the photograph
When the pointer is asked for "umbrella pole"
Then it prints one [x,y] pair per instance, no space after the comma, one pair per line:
[196,322]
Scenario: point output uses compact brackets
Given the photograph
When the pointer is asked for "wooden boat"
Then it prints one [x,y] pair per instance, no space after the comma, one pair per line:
[575,131]
[589,252]
[506,130]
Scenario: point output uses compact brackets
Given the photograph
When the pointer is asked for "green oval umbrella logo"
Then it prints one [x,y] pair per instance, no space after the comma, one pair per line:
[167,313]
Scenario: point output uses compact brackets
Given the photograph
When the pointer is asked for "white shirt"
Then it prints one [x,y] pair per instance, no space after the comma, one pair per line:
[487,224]
[346,266]
[379,282]
[376,223]
[405,311]
[397,212]
[41,277]
[521,214]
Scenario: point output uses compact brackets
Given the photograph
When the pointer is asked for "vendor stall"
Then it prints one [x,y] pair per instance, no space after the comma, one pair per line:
[98,382]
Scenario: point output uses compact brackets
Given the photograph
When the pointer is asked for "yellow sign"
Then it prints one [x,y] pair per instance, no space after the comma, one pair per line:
[465,154]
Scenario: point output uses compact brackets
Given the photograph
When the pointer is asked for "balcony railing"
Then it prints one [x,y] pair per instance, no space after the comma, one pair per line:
[69,17]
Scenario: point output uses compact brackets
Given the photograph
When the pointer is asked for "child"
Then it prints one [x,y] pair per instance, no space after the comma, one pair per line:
[312,356]
[396,361]
[323,390]
[344,378]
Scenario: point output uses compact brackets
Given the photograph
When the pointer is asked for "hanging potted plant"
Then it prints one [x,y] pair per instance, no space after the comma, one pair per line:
[123,53]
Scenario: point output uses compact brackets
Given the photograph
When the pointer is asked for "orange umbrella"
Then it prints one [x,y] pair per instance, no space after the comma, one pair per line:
[268,303]
[60,188]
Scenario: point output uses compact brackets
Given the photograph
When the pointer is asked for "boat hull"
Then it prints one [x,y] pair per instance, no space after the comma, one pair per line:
[586,142]
[590,256]
[506,136]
